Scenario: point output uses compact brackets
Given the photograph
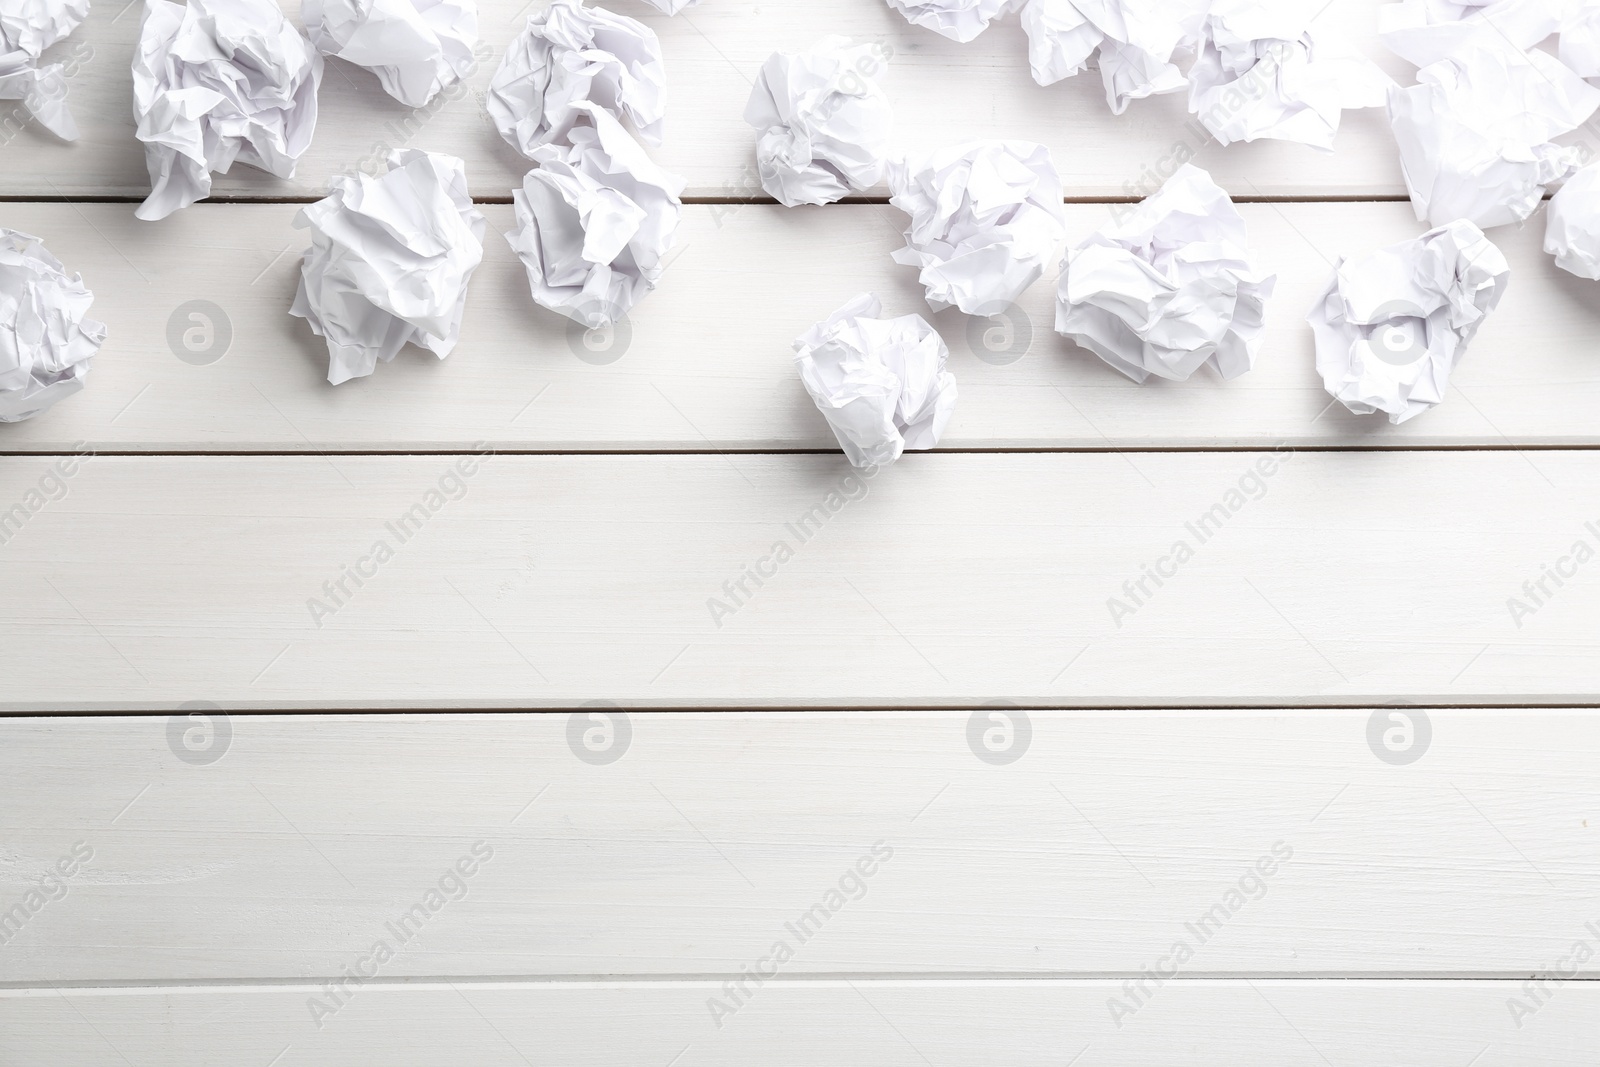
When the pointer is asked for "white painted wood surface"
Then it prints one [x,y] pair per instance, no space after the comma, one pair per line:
[1419,899]
[712,54]
[1260,1023]
[707,362]
[1272,843]
[1340,577]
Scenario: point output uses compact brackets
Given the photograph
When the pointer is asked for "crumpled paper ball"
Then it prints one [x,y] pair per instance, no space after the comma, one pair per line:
[824,123]
[1476,131]
[1426,31]
[1572,231]
[985,219]
[880,383]
[389,262]
[31,26]
[1580,39]
[1261,73]
[1168,286]
[1395,322]
[415,47]
[567,55]
[27,28]
[217,82]
[1133,42]
[46,342]
[959,20]
[595,220]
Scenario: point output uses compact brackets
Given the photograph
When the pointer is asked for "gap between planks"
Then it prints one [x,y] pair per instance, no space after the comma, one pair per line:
[1006,450]
[698,379]
[714,201]
[77,712]
[313,984]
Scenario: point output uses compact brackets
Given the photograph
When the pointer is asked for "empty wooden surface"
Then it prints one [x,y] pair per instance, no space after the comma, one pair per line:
[539,581]
[282,848]
[1256,1023]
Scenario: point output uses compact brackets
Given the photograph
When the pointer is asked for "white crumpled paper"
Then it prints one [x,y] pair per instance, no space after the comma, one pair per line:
[217,82]
[824,123]
[1580,39]
[415,47]
[1572,231]
[985,219]
[1260,73]
[1395,322]
[46,343]
[1475,133]
[880,383]
[959,20]
[1136,42]
[567,55]
[27,28]
[389,262]
[1426,31]
[1168,286]
[595,221]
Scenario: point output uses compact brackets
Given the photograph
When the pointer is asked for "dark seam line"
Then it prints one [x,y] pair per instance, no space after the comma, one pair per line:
[785,979]
[710,201]
[1589,704]
[737,451]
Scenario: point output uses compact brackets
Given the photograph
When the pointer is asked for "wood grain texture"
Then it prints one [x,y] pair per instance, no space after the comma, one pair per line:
[706,362]
[942,92]
[1272,844]
[1325,578]
[1263,1023]
[1009,906]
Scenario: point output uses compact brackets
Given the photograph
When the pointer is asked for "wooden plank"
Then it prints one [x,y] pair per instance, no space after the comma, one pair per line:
[707,363]
[1271,844]
[943,92]
[798,1024]
[1334,578]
